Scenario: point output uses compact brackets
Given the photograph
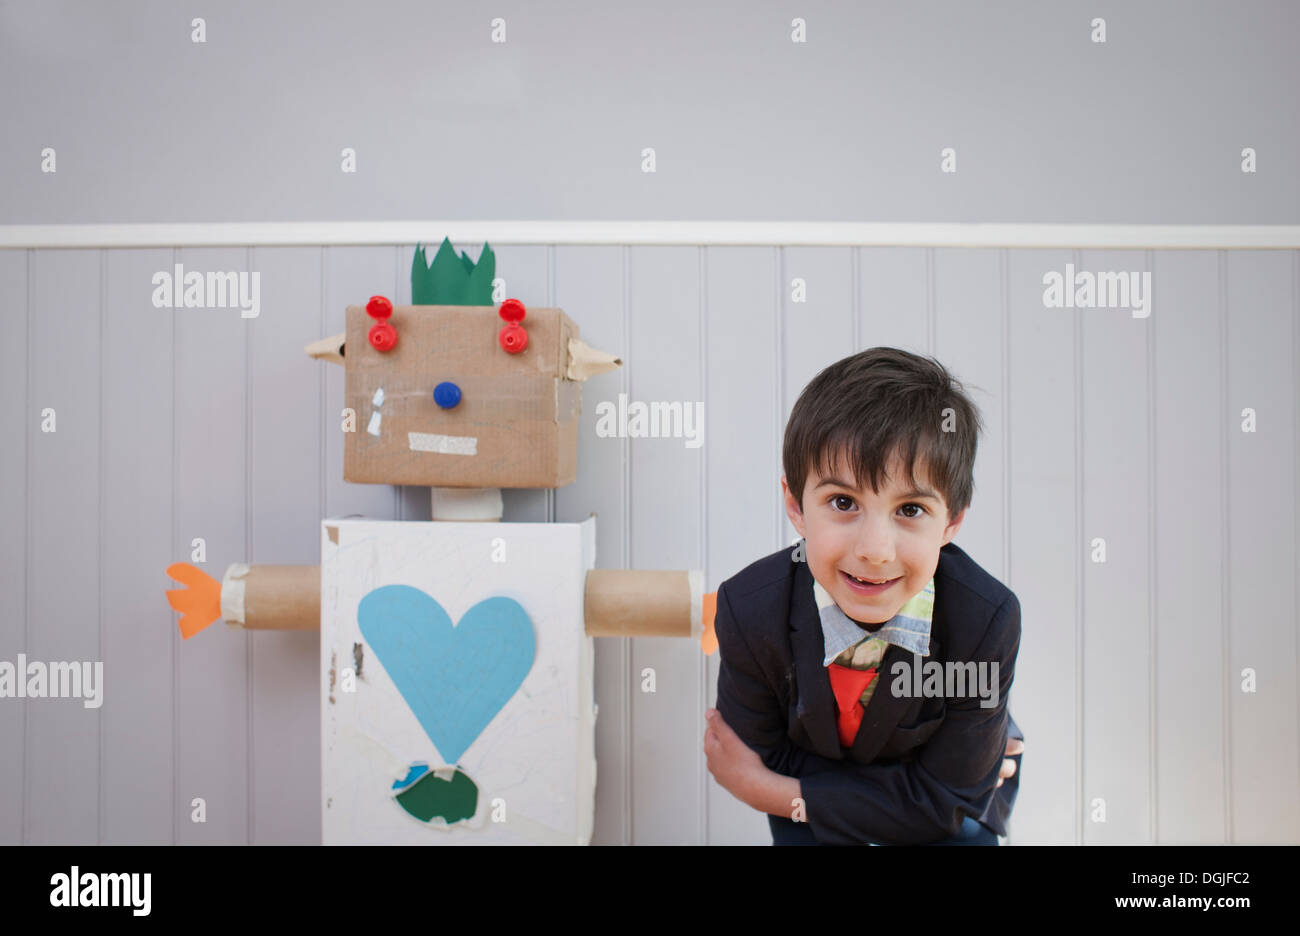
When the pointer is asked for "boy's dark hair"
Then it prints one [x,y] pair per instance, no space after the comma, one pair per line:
[879,402]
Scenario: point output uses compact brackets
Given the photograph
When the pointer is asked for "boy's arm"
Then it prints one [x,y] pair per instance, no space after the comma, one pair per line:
[900,803]
[747,702]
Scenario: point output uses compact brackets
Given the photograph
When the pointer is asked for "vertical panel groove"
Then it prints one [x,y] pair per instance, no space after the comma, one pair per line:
[322,396]
[550,302]
[1080,568]
[173,626]
[701,661]
[321,383]
[778,385]
[248,551]
[1004,308]
[930,312]
[1004,288]
[99,554]
[626,380]
[1153,599]
[855,291]
[24,837]
[1295,503]
[1225,559]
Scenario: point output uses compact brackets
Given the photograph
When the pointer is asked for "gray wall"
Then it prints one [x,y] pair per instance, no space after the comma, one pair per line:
[187,423]
[1147,127]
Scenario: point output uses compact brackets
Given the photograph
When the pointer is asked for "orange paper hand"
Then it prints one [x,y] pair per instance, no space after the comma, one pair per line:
[200,603]
[709,640]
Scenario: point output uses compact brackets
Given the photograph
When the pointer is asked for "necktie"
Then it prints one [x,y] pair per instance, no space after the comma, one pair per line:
[848,684]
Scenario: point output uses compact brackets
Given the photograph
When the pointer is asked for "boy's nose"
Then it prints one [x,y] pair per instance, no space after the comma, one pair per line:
[875,543]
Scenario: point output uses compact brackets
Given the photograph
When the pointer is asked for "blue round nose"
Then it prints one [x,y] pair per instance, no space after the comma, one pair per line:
[446,394]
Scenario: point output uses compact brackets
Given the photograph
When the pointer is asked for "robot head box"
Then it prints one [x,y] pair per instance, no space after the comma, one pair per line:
[461,393]
[466,397]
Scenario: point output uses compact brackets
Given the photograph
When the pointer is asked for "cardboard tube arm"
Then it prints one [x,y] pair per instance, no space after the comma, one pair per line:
[644,603]
[618,602]
[271,597]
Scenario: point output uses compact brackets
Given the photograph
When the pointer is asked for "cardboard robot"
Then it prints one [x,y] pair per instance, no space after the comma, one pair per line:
[456,657]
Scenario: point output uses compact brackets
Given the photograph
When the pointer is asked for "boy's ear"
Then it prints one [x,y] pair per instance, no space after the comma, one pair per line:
[953,526]
[793,509]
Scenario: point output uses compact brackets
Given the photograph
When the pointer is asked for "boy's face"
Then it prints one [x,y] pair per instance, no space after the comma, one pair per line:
[894,535]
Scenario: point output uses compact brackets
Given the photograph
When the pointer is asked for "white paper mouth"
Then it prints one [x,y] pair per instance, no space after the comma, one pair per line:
[443,444]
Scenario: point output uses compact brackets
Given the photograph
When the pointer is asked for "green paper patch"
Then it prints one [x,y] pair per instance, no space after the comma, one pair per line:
[451,800]
[452,280]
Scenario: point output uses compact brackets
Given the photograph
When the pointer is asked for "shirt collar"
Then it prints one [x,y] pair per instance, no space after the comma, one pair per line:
[909,628]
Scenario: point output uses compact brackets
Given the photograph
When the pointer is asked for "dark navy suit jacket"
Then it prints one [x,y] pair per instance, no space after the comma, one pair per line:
[918,765]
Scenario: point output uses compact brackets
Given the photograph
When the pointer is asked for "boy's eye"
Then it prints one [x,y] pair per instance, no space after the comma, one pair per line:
[915,515]
[842,497]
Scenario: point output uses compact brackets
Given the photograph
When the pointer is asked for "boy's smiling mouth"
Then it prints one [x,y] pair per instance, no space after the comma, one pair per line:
[865,586]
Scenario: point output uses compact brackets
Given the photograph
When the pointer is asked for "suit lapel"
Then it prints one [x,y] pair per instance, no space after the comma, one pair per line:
[814,702]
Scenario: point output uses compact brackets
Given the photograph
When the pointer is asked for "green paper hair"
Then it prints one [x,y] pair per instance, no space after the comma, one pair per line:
[451,280]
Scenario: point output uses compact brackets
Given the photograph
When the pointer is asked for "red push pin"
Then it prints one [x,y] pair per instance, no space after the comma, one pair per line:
[512,336]
[383,336]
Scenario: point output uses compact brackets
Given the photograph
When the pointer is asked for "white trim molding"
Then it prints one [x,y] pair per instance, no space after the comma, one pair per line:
[658,233]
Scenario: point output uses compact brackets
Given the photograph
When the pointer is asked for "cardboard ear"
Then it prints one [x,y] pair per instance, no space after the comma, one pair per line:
[585,361]
[328,349]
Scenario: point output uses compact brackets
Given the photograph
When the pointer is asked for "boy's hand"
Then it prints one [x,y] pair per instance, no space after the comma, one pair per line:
[741,772]
[733,763]
[1014,746]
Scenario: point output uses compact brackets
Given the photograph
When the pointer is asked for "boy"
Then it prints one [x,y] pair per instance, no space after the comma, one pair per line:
[830,716]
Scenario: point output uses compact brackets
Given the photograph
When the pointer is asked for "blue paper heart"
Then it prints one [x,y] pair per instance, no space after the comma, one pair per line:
[454,678]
